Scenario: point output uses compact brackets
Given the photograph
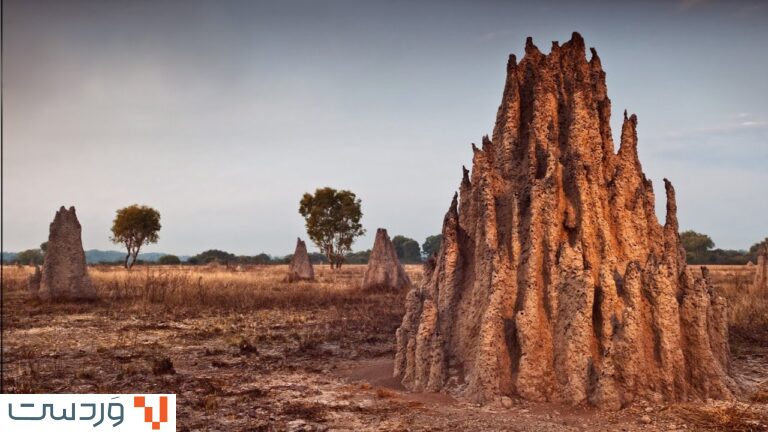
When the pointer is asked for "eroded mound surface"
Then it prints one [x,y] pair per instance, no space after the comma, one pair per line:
[555,281]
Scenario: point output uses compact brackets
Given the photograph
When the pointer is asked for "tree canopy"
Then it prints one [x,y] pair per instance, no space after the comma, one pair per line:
[407,249]
[29,257]
[333,221]
[431,245]
[168,260]
[699,249]
[135,226]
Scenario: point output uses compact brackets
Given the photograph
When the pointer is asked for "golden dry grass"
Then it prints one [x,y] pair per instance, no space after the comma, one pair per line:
[223,339]
[747,310]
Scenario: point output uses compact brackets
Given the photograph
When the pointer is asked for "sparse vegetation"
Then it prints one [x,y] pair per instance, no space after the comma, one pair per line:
[699,250]
[135,226]
[431,245]
[333,221]
[407,249]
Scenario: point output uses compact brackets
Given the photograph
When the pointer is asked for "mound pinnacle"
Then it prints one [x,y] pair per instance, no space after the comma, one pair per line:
[555,281]
[65,274]
[384,270]
[301,266]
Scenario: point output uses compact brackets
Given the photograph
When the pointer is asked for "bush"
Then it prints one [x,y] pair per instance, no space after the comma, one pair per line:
[169,260]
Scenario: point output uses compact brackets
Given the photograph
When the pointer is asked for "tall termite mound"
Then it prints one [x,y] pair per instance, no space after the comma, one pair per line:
[65,274]
[761,273]
[555,281]
[384,271]
[301,266]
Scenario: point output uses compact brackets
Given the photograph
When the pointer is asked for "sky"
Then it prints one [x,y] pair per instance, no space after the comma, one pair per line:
[222,114]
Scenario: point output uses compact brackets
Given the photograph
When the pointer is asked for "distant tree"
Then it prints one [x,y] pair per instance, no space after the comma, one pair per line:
[333,221]
[43,247]
[316,258]
[213,255]
[135,226]
[696,242]
[262,258]
[431,245]
[408,250]
[360,257]
[696,246]
[29,257]
[756,247]
[168,260]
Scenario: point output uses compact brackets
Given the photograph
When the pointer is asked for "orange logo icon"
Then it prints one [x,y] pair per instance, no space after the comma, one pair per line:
[140,402]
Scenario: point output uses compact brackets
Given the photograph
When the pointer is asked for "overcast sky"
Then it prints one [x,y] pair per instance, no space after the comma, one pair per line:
[222,114]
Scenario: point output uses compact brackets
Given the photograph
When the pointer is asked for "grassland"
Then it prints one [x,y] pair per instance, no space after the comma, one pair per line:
[244,350]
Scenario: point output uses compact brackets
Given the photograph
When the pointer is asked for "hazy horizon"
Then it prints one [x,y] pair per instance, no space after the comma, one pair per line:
[221,115]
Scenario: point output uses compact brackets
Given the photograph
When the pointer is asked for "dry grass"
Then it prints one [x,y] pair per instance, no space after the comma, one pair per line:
[214,336]
[747,310]
[734,417]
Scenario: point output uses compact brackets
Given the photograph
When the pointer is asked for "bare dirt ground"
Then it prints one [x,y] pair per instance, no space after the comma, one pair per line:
[245,351]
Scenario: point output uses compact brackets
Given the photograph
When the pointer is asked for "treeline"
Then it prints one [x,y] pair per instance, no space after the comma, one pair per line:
[700,249]
[408,251]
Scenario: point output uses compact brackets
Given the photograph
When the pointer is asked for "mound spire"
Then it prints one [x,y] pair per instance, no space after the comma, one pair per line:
[555,281]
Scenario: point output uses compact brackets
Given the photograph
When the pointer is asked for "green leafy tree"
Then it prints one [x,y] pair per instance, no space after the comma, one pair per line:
[135,226]
[213,255]
[407,249]
[333,221]
[697,246]
[169,260]
[431,245]
[358,257]
[756,247]
[29,257]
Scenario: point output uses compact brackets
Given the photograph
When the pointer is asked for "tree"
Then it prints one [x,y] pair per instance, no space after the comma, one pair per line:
[213,255]
[696,245]
[168,260]
[696,242]
[135,226]
[29,257]
[756,247]
[360,257]
[407,249]
[333,221]
[432,245]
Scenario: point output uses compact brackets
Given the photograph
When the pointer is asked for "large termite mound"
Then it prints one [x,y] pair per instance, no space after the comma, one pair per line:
[65,274]
[761,273]
[301,266]
[384,271]
[555,281]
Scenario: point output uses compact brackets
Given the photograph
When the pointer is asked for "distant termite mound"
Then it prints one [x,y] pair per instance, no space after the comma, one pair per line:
[555,281]
[300,268]
[384,271]
[65,274]
[760,284]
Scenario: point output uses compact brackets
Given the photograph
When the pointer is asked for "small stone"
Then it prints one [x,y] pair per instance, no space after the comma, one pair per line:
[649,410]
[506,402]
[645,419]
